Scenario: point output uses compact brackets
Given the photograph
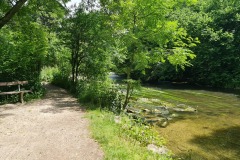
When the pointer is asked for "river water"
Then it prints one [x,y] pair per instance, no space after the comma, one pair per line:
[210,133]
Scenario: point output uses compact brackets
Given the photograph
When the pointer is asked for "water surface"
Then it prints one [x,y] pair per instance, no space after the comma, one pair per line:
[211,133]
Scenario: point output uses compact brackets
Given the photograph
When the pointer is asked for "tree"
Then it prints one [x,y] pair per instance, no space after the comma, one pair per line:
[216,24]
[16,6]
[84,34]
[24,42]
[143,34]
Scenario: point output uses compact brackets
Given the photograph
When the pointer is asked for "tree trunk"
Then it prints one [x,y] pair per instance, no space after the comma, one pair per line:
[73,66]
[9,15]
[128,90]
[76,72]
[127,97]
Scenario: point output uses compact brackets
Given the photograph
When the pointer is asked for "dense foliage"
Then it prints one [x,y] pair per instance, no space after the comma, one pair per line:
[217,62]
[76,48]
[218,57]
[25,41]
[188,40]
[126,139]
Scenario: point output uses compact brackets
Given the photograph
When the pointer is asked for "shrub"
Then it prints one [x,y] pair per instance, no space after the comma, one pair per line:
[137,130]
[102,94]
[111,99]
[116,143]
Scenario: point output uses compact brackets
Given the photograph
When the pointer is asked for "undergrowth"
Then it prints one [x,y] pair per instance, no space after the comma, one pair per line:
[138,131]
[124,140]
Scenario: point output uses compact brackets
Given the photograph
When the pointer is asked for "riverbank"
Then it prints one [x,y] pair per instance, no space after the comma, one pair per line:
[212,132]
[121,139]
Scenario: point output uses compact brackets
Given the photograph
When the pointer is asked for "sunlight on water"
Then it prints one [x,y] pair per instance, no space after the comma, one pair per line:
[212,132]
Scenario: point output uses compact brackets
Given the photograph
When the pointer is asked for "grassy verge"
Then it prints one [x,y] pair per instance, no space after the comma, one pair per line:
[123,140]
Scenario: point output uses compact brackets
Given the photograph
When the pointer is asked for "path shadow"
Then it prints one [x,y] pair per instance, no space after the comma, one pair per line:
[223,143]
[4,115]
[7,107]
[62,100]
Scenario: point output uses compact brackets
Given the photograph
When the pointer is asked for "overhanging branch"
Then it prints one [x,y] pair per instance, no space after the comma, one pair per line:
[9,15]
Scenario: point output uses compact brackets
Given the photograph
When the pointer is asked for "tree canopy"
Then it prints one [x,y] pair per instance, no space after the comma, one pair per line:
[187,40]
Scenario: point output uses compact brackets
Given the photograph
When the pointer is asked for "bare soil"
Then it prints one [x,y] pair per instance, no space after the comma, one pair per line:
[53,128]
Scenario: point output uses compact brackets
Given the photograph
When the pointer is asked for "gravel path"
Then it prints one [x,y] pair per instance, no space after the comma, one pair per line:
[53,128]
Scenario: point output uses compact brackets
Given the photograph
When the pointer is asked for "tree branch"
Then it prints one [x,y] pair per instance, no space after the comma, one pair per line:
[9,15]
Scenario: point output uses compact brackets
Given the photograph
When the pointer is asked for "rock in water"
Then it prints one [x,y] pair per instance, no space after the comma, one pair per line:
[184,108]
[151,121]
[146,110]
[156,111]
[159,150]
[133,110]
[163,110]
[162,122]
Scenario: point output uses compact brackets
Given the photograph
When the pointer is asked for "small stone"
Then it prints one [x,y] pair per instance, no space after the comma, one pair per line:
[156,111]
[174,115]
[163,122]
[117,119]
[159,150]
[146,110]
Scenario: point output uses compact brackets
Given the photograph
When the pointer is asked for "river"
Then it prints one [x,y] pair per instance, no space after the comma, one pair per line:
[210,133]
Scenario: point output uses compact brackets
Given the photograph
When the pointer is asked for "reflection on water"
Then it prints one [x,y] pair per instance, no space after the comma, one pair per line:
[213,132]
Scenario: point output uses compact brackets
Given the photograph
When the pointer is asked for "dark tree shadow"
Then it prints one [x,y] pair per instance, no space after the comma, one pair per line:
[223,143]
[5,115]
[62,100]
[7,107]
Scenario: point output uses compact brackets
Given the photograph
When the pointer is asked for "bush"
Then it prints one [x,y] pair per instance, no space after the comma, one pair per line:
[111,99]
[140,132]
[102,94]
[118,143]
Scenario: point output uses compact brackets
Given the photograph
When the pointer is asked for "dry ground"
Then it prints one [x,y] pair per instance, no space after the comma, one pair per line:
[53,128]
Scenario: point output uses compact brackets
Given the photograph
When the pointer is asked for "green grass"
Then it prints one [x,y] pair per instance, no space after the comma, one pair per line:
[117,143]
[217,110]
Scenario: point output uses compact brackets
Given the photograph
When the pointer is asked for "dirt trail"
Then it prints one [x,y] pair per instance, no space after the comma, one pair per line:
[53,128]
